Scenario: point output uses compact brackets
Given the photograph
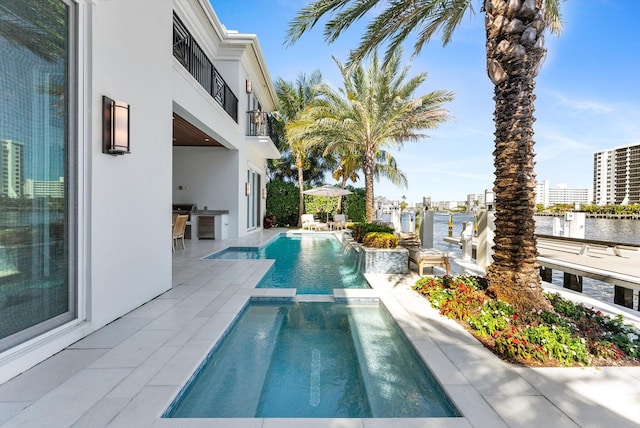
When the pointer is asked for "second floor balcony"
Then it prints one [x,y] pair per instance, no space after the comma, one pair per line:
[258,124]
[192,57]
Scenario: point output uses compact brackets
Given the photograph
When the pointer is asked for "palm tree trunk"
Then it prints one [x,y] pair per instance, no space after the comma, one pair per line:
[368,168]
[343,184]
[512,62]
[300,167]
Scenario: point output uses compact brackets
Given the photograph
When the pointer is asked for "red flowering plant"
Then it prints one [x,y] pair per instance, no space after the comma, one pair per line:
[454,296]
[571,335]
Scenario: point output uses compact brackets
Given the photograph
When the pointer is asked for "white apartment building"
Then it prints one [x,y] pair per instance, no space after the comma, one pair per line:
[11,168]
[188,126]
[475,201]
[616,175]
[40,189]
[561,194]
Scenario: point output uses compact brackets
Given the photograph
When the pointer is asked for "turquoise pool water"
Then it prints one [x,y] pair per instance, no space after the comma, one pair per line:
[312,360]
[314,264]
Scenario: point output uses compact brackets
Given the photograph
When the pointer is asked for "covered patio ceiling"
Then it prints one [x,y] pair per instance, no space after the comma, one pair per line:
[186,134]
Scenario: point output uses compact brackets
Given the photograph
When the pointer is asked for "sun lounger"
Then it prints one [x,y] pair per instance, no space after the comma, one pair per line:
[309,223]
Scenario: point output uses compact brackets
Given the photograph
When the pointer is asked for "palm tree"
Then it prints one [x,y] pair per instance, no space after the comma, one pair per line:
[374,111]
[293,98]
[515,51]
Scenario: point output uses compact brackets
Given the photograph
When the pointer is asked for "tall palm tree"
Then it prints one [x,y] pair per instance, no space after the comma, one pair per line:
[374,111]
[515,51]
[293,98]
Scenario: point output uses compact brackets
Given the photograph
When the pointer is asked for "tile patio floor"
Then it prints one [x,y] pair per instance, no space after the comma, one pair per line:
[126,374]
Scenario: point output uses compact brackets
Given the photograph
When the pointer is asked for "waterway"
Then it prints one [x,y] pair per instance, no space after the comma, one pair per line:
[614,230]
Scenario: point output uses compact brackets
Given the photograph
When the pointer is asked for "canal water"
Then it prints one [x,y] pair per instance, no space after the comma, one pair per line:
[614,230]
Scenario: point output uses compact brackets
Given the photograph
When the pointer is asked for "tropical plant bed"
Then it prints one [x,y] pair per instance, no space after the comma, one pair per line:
[572,335]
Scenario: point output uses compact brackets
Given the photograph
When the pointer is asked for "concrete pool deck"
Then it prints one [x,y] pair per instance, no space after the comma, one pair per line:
[127,373]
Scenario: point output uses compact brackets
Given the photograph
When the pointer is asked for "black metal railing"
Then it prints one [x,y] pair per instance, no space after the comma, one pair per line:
[258,124]
[187,51]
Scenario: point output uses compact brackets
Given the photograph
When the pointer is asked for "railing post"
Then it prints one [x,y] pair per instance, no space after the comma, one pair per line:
[466,238]
[485,233]
[623,297]
[573,282]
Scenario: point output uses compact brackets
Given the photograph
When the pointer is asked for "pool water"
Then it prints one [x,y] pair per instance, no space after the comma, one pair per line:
[312,360]
[314,264]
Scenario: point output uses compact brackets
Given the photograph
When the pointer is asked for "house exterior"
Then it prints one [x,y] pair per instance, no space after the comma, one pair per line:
[84,233]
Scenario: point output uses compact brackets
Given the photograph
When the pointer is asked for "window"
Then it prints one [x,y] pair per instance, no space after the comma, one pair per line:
[37,220]
[253,199]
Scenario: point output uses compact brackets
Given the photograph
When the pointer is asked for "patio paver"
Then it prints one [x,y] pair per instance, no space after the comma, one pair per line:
[126,374]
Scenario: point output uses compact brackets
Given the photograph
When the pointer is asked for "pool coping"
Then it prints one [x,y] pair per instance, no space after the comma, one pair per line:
[127,373]
[384,288]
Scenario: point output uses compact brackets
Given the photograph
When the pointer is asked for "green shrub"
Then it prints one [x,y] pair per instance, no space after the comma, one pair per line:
[283,201]
[559,344]
[354,205]
[624,336]
[380,240]
[359,230]
[512,343]
[495,316]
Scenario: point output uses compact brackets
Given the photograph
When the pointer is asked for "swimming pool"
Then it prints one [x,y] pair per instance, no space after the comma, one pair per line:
[311,263]
[312,360]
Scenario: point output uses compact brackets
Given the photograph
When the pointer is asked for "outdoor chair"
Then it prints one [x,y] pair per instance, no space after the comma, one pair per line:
[339,221]
[179,227]
[307,221]
[428,257]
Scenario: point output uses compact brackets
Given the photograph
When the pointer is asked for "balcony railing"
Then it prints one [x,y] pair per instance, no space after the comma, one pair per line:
[258,124]
[187,51]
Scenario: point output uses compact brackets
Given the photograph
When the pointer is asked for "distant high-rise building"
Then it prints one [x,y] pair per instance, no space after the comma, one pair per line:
[40,189]
[616,175]
[561,194]
[475,201]
[11,168]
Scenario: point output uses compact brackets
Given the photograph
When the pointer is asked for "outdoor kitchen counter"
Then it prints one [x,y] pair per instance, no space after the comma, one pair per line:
[211,224]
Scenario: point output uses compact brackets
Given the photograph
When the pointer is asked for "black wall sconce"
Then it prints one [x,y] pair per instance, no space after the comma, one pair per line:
[248,86]
[115,123]
[247,189]
[264,193]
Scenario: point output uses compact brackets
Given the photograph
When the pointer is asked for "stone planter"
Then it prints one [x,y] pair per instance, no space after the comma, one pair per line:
[379,260]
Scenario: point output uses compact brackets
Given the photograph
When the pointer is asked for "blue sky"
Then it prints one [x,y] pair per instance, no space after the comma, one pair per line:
[588,92]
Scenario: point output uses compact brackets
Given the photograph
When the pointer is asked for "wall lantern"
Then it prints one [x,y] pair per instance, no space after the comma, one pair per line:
[115,131]
[248,86]
[264,193]
[247,189]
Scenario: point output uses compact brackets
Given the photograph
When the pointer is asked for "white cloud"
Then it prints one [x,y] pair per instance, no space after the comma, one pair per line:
[583,104]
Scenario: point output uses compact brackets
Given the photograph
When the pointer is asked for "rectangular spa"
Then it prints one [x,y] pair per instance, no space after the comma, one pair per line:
[312,360]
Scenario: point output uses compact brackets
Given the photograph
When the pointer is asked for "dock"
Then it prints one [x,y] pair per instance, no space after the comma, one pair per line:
[610,262]
[614,263]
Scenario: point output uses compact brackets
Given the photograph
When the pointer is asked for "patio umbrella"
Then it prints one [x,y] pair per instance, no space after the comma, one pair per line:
[330,191]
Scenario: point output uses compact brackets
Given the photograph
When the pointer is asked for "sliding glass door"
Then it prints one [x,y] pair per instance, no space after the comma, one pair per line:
[37,173]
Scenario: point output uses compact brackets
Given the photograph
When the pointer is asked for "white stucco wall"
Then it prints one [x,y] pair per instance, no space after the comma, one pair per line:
[124,212]
[130,199]
[124,202]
